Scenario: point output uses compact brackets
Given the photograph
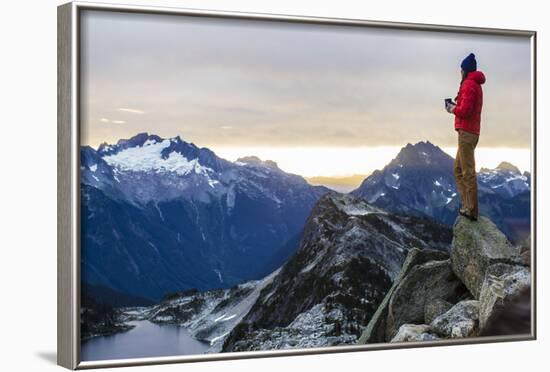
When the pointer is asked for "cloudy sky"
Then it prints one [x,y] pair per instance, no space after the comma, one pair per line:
[318,99]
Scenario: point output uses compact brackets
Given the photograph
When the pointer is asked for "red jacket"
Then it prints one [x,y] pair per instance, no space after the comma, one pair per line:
[469,102]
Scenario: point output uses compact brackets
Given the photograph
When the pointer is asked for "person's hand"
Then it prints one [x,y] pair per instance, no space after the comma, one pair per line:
[450,107]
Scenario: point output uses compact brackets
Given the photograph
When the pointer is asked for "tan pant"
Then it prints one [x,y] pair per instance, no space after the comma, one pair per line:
[465,171]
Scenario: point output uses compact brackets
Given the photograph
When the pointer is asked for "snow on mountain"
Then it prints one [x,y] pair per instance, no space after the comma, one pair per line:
[189,218]
[354,207]
[420,181]
[505,180]
[148,157]
[208,316]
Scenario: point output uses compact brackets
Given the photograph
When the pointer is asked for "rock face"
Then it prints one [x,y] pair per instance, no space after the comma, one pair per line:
[501,288]
[482,290]
[435,308]
[350,253]
[422,285]
[414,332]
[475,247]
[525,251]
[376,328]
[462,320]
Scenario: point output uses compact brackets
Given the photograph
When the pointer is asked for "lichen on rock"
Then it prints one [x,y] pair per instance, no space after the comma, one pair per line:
[477,245]
[414,332]
[502,286]
[462,320]
[483,289]
[376,328]
[423,284]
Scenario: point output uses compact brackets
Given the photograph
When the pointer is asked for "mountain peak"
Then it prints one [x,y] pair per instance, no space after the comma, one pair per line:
[254,160]
[143,139]
[349,204]
[139,139]
[508,166]
[422,146]
[423,152]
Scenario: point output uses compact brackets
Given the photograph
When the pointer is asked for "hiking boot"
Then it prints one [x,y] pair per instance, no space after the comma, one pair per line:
[464,212]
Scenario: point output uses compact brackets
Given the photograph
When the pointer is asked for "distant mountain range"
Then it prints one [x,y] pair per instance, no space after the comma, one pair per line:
[162,215]
[342,184]
[420,181]
[247,257]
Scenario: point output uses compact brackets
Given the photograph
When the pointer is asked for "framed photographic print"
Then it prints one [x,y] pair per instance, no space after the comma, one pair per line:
[235,185]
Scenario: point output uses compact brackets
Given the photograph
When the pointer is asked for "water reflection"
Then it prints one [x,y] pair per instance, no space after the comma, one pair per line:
[145,340]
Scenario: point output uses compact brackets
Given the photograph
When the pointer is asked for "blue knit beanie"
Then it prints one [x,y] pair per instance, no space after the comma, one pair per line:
[469,64]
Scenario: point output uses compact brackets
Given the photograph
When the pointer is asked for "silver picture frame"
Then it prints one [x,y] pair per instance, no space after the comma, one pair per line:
[68,173]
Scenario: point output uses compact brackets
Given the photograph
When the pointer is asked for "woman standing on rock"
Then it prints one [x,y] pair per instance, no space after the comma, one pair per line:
[467,111]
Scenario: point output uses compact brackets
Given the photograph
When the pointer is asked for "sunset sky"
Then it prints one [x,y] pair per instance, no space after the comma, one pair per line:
[318,99]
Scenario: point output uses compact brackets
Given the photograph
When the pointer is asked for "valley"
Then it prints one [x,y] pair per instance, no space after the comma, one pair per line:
[217,256]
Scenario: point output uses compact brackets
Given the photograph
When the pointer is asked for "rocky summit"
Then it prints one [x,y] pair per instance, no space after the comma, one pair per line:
[349,255]
[476,246]
[483,289]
